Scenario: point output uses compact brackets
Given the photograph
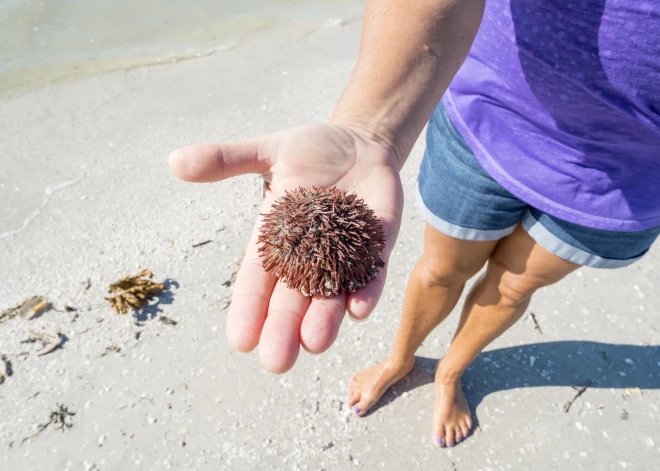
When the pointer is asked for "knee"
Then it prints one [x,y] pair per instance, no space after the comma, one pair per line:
[439,273]
[515,289]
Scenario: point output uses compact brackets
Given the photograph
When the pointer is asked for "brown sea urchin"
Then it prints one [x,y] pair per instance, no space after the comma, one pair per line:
[321,241]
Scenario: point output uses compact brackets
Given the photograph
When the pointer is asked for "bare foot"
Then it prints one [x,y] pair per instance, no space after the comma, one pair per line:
[452,420]
[369,385]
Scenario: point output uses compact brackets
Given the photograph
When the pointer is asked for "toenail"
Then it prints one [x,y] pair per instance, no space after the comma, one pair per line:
[450,445]
[356,410]
[438,441]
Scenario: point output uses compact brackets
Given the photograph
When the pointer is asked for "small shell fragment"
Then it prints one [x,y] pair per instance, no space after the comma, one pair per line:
[54,344]
[31,307]
[28,309]
[51,341]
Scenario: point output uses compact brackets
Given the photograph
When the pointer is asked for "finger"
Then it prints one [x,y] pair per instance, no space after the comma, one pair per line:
[213,162]
[321,323]
[363,301]
[279,344]
[250,297]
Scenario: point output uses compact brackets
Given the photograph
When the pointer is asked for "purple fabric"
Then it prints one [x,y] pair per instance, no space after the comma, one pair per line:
[560,102]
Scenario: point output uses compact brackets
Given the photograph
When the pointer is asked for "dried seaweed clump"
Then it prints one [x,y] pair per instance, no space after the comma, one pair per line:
[133,292]
[321,241]
[60,419]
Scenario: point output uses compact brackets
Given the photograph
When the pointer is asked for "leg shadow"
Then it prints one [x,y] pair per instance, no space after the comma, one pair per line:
[422,373]
[563,363]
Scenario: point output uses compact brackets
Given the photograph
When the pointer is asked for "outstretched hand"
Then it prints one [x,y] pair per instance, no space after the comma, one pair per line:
[263,311]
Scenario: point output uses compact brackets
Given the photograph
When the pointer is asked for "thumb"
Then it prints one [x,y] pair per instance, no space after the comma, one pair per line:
[204,163]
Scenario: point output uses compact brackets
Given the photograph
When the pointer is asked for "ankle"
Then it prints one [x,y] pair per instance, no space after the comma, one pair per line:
[445,374]
[399,362]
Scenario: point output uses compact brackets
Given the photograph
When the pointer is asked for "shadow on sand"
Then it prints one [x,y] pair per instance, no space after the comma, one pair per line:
[565,363]
[153,308]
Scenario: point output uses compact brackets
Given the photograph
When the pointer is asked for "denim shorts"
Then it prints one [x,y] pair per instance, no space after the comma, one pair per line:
[458,198]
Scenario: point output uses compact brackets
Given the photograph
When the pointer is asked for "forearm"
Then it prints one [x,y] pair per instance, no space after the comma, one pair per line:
[409,53]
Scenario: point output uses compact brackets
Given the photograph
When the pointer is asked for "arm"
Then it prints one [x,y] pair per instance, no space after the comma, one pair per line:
[409,53]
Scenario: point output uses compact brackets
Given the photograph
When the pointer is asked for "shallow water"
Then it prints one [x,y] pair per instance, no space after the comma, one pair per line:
[42,41]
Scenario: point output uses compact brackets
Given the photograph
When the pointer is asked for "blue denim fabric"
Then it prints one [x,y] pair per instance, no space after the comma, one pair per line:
[455,187]
[460,199]
[606,245]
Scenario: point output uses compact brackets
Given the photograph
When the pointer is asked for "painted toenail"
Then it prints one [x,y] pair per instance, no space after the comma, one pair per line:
[438,441]
[450,445]
[356,410]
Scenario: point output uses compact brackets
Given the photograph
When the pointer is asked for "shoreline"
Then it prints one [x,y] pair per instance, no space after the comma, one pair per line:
[15,83]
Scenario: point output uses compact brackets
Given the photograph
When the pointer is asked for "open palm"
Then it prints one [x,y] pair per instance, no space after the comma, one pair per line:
[263,311]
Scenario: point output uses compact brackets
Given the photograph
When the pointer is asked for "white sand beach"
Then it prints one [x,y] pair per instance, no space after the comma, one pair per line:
[87,198]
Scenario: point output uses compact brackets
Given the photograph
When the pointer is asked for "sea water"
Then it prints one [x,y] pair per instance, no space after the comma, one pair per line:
[48,40]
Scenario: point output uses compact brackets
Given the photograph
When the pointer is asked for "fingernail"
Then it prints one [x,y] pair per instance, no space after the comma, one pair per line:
[356,410]
[438,441]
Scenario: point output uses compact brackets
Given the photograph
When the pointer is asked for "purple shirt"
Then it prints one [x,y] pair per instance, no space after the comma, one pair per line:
[560,102]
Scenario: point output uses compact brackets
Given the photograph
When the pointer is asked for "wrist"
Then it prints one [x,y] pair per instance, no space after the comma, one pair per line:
[371,127]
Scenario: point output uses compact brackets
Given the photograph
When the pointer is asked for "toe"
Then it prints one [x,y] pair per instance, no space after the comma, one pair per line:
[458,435]
[438,428]
[439,437]
[449,434]
[465,431]
[353,392]
[468,423]
[364,404]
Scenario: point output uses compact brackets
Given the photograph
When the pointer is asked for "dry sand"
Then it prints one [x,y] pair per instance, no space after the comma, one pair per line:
[86,195]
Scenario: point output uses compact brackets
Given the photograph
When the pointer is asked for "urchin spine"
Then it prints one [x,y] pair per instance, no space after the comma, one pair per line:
[321,241]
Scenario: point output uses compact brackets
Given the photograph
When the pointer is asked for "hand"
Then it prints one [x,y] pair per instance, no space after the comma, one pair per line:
[263,311]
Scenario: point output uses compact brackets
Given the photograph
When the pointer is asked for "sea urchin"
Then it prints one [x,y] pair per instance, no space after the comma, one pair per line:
[321,241]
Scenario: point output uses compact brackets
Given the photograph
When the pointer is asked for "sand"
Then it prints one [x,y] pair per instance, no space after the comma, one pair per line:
[86,195]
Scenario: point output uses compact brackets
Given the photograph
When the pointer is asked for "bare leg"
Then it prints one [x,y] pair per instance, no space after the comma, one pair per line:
[433,289]
[517,268]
